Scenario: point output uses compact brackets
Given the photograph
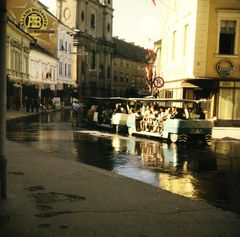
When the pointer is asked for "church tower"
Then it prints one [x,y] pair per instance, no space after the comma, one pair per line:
[92,21]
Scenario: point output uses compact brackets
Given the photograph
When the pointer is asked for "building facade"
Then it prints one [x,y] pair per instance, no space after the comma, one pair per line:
[129,68]
[18,51]
[200,55]
[94,59]
[42,68]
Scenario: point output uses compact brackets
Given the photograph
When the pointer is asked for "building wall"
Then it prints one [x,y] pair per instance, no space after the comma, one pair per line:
[92,21]
[128,72]
[64,49]
[39,68]
[217,13]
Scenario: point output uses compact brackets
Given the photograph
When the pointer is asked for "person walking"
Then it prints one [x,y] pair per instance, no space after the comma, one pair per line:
[75,108]
[28,102]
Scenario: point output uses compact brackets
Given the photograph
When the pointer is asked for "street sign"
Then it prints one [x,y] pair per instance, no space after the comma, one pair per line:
[158,82]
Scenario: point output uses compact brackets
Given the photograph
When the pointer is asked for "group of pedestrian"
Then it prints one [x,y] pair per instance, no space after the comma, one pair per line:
[32,103]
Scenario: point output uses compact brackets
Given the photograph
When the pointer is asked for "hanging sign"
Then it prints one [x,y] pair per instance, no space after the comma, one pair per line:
[158,82]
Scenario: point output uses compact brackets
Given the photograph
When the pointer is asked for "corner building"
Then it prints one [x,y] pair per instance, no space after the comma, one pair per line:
[92,22]
[200,55]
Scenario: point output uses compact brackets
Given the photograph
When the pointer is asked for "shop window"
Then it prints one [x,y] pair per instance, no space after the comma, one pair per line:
[168,94]
[237,105]
[227,37]
[225,104]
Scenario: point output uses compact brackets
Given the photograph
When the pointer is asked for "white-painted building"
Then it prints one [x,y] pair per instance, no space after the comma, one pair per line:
[42,68]
[65,63]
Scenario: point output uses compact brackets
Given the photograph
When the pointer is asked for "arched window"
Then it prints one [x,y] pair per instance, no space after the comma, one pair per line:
[92,59]
[82,15]
[92,21]
[101,71]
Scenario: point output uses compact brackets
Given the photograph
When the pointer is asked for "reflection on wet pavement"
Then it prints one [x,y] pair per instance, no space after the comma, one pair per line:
[211,175]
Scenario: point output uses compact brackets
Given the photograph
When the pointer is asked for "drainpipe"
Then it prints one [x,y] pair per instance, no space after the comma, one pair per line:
[3,37]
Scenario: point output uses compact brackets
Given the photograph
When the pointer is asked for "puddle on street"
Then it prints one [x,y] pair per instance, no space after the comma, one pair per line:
[211,175]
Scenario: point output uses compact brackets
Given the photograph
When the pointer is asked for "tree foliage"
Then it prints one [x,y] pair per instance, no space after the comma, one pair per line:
[47,92]
[132,91]
[30,91]
[61,93]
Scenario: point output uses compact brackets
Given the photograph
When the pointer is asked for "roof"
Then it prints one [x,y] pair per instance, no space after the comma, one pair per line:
[40,49]
[128,50]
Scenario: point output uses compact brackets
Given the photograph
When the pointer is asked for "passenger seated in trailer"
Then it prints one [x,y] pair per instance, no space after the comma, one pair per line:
[159,121]
[107,116]
[168,114]
[148,123]
[155,111]
[177,115]
[139,118]
[100,110]
[202,115]
[118,109]
[123,110]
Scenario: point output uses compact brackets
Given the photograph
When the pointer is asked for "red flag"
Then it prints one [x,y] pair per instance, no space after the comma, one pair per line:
[149,75]
[154,2]
[150,52]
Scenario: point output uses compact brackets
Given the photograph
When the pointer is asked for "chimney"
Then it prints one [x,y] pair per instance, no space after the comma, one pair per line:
[123,40]
[131,43]
[116,37]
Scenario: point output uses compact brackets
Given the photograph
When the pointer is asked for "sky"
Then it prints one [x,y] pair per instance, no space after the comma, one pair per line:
[137,21]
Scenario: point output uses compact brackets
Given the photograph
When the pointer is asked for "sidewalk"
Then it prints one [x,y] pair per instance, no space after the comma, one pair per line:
[50,196]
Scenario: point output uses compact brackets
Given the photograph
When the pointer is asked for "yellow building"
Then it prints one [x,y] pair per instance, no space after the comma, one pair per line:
[129,69]
[200,55]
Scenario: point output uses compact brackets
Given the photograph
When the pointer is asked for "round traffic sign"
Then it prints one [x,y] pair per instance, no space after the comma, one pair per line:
[158,82]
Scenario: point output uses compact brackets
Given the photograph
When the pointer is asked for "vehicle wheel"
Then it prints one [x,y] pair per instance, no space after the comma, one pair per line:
[130,131]
[174,137]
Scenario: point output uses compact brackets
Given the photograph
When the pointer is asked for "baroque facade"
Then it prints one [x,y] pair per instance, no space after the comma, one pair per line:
[94,49]
[200,55]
